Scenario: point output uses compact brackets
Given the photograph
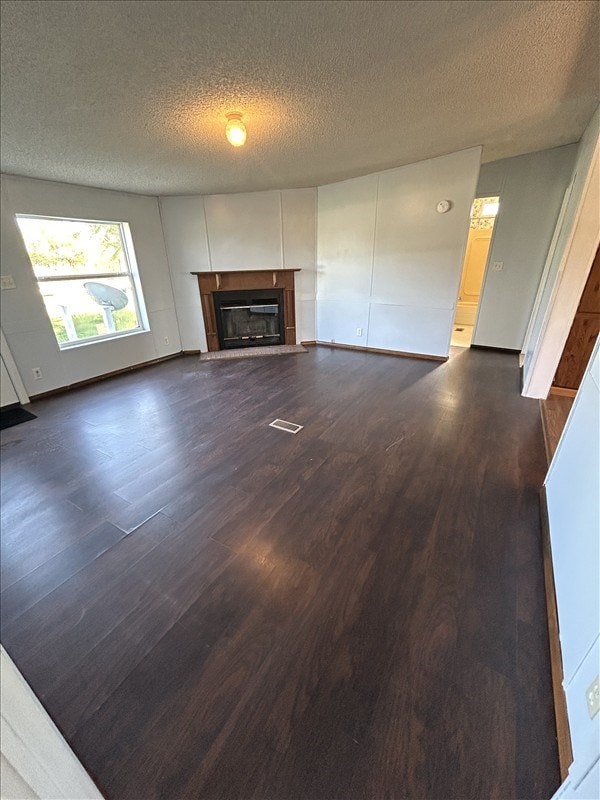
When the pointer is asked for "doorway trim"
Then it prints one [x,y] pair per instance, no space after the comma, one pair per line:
[478,196]
[573,272]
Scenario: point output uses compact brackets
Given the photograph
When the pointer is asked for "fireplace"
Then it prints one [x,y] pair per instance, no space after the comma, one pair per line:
[250,318]
[248,308]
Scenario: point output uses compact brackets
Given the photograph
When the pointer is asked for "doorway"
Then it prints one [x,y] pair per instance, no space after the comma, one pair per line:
[481,227]
[582,336]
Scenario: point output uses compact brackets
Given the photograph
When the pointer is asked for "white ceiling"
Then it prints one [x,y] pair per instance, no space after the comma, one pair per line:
[133,95]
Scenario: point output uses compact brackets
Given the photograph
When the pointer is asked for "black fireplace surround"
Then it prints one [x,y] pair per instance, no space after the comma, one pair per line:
[249,318]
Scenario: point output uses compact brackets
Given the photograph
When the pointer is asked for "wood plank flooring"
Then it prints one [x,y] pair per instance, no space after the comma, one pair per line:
[212,608]
[554,410]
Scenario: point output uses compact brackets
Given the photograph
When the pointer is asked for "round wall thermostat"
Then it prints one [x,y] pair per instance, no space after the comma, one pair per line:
[443,206]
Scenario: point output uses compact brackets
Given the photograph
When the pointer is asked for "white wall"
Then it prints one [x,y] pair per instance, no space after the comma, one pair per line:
[8,392]
[574,515]
[12,371]
[24,319]
[575,242]
[387,261]
[531,189]
[255,230]
[36,762]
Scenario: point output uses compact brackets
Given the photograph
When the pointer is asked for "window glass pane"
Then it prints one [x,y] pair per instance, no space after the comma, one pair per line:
[82,309]
[74,262]
[72,247]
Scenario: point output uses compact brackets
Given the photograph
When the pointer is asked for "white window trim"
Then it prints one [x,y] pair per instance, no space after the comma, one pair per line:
[132,273]
[103,337]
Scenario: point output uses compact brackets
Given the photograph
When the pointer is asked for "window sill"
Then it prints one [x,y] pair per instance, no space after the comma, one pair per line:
[65,346]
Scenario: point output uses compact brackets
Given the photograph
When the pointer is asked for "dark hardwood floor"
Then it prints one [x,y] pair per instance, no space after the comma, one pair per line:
[212,608]
[555,410]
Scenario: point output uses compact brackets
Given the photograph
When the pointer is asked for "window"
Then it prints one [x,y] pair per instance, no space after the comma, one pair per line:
[84,272]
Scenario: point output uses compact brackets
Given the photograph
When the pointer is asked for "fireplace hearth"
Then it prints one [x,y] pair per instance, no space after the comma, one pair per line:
[252,318]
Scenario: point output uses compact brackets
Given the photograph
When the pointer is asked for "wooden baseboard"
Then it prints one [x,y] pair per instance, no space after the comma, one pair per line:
[563,733]
[311,343]
[105,376]
[562,392]
[546,432]
[380,351]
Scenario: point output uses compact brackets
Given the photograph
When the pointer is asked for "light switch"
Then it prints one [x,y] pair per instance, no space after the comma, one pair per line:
[7,282]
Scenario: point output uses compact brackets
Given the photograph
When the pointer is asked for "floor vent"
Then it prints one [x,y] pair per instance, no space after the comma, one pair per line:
[282,425]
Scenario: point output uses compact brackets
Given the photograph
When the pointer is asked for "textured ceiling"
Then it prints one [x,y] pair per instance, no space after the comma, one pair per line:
[133,95]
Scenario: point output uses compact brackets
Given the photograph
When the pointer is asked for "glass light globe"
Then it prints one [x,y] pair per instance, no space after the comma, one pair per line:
[235,130]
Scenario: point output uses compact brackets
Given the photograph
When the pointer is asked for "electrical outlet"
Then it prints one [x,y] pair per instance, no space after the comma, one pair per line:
[37,373]
[7,282]
[592,697]
[359,331]
[497,266]
[166,340]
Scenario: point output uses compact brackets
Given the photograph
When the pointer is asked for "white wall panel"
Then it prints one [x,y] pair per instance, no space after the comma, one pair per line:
[299,208]
[7,390]
[22,307]
[186,241]
[185,289]
[418,252]
[306,320]
[187,246]
[89,360]
[409,329]
[185,233]
[492,177]
[299,215]
[574,512]
[531,189]
[244,230]
[574,517]
[12,369]
[380,241]
[189,311]
[589,787]
[337,320]
[39,349]
[585,732]
[163,325]
[191,325]
[345,234]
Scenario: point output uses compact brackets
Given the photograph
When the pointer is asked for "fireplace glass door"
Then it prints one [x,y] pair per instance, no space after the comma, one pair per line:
[249,318]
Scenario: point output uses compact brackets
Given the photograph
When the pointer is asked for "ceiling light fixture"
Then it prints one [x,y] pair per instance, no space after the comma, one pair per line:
[490,209]
[235,130]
